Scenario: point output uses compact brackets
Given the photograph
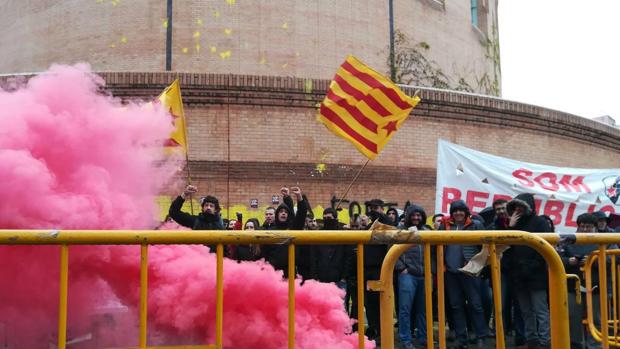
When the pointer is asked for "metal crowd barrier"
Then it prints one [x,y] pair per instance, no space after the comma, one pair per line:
[402,239]
[606,309]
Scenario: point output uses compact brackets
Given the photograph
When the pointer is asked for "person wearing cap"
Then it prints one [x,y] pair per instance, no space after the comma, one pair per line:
[460,286]
[373,259]
[208,219]
[330,263]
[528,270]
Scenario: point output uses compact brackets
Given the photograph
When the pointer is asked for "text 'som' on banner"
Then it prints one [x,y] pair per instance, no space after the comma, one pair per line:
[561,193]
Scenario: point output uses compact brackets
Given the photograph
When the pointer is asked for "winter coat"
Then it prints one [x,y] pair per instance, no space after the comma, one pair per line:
[277,255]
[413,259]
[202,221]
[456,256]
[523,264]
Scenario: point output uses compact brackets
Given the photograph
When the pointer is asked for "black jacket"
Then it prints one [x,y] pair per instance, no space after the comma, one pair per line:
[200,222]
[523,264]
[330,263]
[277,255]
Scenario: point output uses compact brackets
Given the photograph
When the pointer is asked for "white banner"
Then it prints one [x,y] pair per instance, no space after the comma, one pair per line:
[561,193]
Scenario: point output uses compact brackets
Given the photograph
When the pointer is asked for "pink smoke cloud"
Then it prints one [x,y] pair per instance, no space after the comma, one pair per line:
[74,158]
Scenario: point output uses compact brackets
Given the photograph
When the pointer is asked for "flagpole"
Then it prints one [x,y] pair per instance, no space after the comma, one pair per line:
[351,184]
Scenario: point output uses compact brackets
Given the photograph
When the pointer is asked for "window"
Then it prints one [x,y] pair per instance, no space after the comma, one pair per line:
[474,13]
[479,12]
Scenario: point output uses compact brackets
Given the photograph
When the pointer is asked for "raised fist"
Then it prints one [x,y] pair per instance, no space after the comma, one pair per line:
[297,192]
[284,191]
[189,190]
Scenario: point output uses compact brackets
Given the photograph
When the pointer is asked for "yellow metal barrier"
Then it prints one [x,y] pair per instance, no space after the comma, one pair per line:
[403,239]
[602,334]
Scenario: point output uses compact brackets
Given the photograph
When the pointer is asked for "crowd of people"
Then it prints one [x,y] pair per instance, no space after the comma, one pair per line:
[469,298]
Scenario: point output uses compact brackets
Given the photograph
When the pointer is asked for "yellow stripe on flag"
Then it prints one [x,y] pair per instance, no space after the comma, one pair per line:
[364,107]
[171,99]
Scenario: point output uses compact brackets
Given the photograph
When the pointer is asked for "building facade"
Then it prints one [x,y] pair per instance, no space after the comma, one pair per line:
[253,73]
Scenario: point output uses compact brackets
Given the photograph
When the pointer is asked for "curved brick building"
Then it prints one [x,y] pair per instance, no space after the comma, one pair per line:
[252,73]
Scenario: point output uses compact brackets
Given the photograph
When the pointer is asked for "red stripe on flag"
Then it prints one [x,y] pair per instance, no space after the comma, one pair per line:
[360,96]
[171,143]
[356,113]
[374,83]
[336,120]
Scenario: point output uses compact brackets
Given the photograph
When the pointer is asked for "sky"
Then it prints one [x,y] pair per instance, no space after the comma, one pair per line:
[562,54]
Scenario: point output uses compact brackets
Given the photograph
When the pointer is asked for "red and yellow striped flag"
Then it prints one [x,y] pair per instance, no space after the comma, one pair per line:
[171,99]
[364,107]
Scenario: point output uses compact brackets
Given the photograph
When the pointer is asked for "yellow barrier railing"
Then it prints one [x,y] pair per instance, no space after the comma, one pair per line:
[602,334]
[403,239]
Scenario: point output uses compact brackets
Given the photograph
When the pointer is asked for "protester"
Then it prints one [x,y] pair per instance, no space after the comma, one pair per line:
[528,269]
[602,221]
[411,293]
[437,218]
[330,262]
[247,252]
[208,219]
[285,218]
[460,286]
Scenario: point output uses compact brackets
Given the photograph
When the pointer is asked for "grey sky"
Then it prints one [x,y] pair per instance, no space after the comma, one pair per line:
[562,54]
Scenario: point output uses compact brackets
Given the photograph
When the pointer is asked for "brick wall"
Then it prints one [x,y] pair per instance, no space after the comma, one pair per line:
[275,139]
[266,37]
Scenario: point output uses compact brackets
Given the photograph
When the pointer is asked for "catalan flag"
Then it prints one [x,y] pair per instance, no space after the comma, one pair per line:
[171,99]
[364,107]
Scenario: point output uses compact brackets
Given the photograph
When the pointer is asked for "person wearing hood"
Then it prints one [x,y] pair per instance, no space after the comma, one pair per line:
[285,219]
[602,221]
[392,214]
[460,286]
[330,262]
[208,219]
[411,297]
[528,270]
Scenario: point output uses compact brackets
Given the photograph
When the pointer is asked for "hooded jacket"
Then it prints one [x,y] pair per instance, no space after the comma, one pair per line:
[202,221]
[277,255]
[456,256]
[413,259]
[330,263]
[524,265]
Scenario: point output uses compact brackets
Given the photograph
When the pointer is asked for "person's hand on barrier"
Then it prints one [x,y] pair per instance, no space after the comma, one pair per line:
[284,191]
[189,190]
[573,261]
[514,219]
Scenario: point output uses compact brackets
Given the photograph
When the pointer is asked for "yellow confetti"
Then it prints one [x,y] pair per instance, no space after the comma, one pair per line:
[297,54]
[213,49]
[185,49]
[227,31]
[285,25]
[99,1]
[196,34]
[308,86]
[225,54]
[115,2]
[199,22]
[197,47]
[231,2]
[284,65]
[123,39]
[216,14]
[112,45]
[165,24]
[263,60]
[320,168]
